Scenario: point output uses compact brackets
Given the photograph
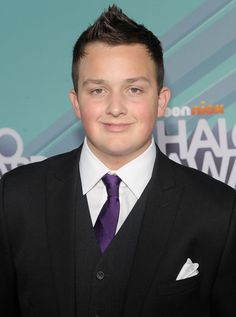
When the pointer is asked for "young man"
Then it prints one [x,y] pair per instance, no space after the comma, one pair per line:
[115,228]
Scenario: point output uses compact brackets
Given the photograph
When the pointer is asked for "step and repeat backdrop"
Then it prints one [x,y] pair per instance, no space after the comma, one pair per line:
[199,41]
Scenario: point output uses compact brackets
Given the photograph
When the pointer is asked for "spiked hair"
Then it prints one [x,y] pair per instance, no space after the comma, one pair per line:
[113,27]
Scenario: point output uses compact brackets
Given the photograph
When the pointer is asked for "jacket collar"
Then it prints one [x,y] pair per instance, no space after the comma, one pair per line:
[157,223]
[62,188]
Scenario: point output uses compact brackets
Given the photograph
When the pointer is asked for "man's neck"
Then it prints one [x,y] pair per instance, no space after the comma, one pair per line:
[114,162]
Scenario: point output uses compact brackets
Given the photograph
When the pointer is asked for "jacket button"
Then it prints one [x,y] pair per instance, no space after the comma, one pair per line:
[100,275]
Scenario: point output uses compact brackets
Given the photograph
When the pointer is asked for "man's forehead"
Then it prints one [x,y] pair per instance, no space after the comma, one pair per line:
[126,63]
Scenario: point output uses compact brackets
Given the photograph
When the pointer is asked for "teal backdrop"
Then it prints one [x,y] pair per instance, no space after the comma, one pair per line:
[199,41]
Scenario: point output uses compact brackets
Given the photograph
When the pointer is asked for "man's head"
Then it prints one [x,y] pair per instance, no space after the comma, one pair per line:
[114,28]
[119,93]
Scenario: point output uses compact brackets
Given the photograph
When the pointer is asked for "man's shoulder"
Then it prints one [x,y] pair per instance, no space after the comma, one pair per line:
[39,169]
[194,179]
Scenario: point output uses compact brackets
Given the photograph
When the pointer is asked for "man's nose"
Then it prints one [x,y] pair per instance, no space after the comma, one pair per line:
[116,105]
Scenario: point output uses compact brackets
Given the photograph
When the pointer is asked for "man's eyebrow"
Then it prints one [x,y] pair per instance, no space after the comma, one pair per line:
[140,78]
[102,81]
[93,81]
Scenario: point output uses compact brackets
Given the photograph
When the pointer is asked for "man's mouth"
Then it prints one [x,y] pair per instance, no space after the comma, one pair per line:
[117,127]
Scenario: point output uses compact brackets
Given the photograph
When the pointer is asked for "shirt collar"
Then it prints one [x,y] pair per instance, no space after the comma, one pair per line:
[91,169]
[135,174]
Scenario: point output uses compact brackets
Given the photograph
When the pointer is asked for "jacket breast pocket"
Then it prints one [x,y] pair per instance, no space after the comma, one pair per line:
[180,298]
[188,285]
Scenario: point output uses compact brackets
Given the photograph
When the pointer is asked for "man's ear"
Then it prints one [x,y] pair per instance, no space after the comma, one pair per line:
[75,103]
[163,100]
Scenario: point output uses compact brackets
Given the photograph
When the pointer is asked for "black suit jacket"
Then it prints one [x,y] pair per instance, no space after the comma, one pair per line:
[187,215]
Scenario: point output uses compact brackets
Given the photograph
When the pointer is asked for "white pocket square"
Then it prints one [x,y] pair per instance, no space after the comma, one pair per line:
[189,269]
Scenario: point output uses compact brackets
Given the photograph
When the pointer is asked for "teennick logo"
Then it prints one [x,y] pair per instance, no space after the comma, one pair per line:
[201,109]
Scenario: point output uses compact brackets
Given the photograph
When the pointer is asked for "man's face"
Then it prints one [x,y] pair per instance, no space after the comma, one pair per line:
[118,101]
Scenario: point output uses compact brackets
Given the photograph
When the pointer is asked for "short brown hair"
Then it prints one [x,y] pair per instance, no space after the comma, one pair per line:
[113,27]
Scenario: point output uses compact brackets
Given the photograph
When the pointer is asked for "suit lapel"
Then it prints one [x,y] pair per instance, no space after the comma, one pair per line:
[60,215]
[158,219]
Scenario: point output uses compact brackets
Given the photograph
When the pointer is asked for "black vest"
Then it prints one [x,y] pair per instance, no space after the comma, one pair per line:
[101,279]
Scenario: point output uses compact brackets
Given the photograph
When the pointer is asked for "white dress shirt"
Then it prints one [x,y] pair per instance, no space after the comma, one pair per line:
[134,176]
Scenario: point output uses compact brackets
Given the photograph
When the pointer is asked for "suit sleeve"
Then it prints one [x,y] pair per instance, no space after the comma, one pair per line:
[224,290]
[8,291]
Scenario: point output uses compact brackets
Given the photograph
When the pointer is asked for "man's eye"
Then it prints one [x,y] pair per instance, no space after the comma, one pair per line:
[135,90]
[97,91]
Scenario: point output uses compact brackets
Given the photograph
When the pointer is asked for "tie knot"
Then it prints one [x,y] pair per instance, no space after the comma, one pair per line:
[112,183]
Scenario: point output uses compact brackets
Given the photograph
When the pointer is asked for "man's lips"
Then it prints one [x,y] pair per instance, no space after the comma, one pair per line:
[116,127]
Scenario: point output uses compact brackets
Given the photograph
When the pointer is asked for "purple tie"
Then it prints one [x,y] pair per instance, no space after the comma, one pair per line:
[105,226]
